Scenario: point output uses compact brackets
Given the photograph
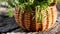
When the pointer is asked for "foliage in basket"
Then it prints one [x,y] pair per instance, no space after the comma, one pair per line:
[39,6]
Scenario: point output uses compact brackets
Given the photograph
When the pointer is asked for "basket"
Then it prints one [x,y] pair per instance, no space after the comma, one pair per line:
[26,22]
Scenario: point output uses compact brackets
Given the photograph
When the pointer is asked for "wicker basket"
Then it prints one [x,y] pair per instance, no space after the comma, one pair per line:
[25,20]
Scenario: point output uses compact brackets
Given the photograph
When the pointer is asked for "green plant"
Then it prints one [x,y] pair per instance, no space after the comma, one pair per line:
[10,12]
[37,4]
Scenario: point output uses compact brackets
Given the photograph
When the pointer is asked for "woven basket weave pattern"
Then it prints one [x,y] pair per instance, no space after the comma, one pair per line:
[25,20]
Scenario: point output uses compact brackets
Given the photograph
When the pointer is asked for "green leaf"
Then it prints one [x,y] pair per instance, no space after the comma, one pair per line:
[40,17]
[16,1]
[29,8]
[10,13]
[22,7]
[10,2]
[37,10]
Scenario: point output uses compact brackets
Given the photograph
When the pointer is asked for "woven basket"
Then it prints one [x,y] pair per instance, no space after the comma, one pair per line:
[25,20]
